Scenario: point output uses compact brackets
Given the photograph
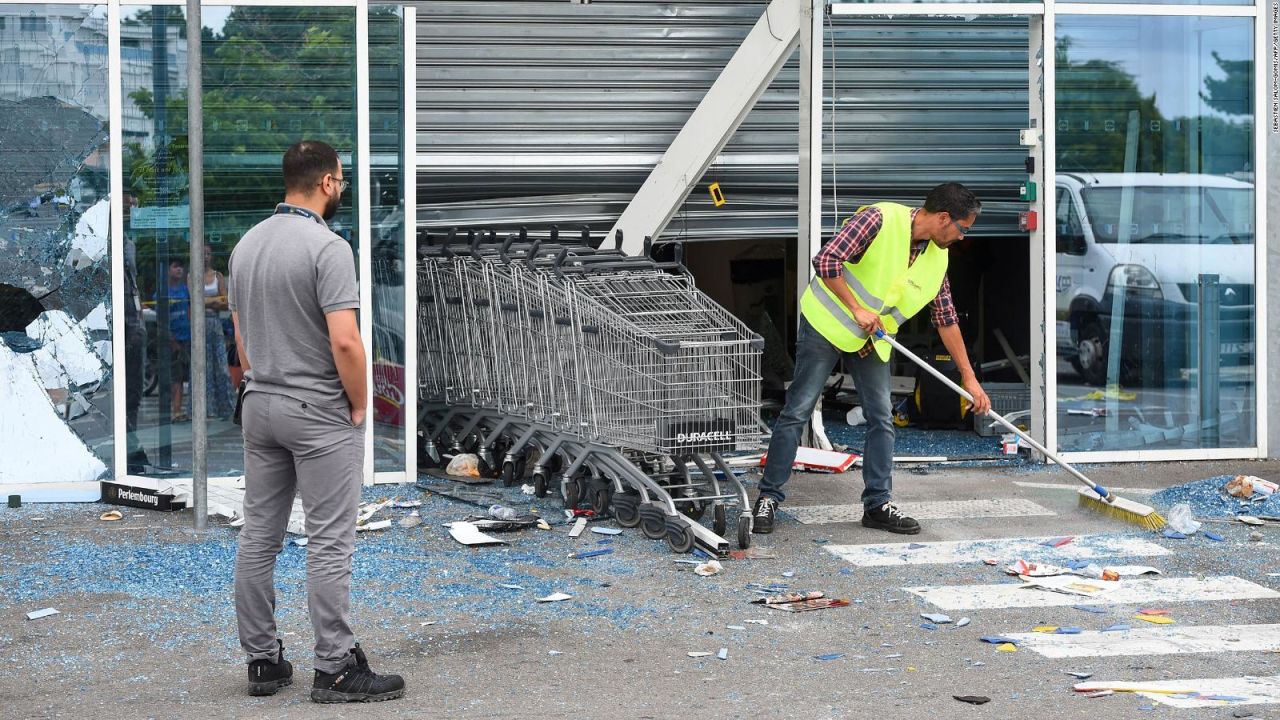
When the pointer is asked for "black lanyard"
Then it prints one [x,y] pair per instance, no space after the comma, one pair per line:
[287,209]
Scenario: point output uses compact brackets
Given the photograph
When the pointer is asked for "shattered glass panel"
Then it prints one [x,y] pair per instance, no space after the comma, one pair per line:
[386,124]
[272,76]
[56,411]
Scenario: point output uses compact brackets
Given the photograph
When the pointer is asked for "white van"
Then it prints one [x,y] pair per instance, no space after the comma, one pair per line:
[1179,226]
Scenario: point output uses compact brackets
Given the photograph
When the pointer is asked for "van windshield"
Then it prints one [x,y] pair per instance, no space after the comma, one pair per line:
[1172,215]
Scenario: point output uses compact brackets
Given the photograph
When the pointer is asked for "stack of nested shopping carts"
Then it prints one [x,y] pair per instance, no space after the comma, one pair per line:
[609,378]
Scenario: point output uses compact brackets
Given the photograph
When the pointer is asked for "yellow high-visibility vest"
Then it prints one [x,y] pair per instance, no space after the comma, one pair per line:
[883,280]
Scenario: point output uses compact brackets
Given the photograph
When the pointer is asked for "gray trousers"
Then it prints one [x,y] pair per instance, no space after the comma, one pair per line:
[295,447]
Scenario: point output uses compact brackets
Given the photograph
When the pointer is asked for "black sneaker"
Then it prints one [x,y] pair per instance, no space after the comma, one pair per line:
[889,517]
[266,677]
[766,507]
[356,683]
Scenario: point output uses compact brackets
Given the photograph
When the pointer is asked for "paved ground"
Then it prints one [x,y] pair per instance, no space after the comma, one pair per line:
[146,626]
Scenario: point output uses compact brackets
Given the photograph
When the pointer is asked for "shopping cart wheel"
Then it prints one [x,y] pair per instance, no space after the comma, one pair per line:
[679,537]
[571,491]
[484,468]
[540,483]
[718,522]
[508,473]
[600,494]
[653,522]
[744,533]
[522,464]
[626,509]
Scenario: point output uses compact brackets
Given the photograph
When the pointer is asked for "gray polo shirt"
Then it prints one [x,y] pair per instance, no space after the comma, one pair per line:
[286,274]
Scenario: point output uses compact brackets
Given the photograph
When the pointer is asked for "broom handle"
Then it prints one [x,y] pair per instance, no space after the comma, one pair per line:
[1101,491]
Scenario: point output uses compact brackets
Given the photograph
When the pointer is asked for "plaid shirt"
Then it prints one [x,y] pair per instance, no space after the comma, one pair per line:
[852,241]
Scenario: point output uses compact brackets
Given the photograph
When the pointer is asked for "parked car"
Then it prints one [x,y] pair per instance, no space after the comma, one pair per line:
[1180,227]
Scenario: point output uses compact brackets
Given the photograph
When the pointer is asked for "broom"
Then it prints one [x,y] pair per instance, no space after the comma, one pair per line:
[1094,496]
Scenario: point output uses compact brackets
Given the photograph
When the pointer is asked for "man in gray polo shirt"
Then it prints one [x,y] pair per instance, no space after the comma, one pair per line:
[293,299]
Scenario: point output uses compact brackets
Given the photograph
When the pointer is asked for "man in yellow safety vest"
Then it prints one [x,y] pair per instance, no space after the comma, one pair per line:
[885,265]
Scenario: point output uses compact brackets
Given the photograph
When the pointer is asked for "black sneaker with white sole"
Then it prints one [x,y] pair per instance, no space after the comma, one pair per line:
[266,677]
[889,517]
[766,507]
[356,683]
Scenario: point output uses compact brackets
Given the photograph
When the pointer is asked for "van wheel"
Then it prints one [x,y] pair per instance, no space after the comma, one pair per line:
[1090,360]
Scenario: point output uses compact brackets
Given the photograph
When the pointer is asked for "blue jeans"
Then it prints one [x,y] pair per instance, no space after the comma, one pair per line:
[815,359]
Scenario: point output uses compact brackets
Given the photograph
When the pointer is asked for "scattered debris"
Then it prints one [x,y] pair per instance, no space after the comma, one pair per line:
[578,526]
[973,699]
[1251,520]
[1174,534]
[1182,519]
[1118,627]
[1007,647]
[928,626]
[464,465]
[758,622]
[752,554]
[698,654]
[590,553]
[1022,568]
[938,618]
[789,574]
[46,612]
[1047,629]
[801,602]
[510,586]
[1155,619]
[528,490]
[723,654]
[1078,675]
[555,652]
[962,622]
[555,597]
[406,504]
[301,541]
[1067,631]
[411,520]
[829,656]
[375,525]
[468,534]
[1100,693]
[708,568]
[735,627]
[1153,611]
[1255,536]
[998,640]
[990,561]
[425,623]
[606,530]
[1057,542]
[1213,536]
[368,511]
[543,524]
[1091,609]
[1248,487]
[110,515]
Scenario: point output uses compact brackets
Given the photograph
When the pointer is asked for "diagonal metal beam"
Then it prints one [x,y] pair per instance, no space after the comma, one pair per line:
[752,67]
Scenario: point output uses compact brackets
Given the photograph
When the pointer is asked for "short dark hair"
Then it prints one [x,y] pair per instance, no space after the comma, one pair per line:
[306,162]
[175,260]
[954,199]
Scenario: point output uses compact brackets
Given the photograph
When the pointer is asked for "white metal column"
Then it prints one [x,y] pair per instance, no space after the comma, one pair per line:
[410,184]
[365,223]
[1044,376]
[115,113]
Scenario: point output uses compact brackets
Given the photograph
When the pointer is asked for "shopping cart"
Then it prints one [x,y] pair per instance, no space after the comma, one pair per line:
[610,378]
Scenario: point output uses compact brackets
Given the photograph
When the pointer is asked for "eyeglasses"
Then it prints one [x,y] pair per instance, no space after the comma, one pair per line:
[342,183]
[960,228]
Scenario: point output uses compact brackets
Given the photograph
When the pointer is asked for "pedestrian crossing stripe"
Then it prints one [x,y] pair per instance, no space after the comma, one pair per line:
[1162,590]
[1208,692]
[935,510]
[1153,641]
[1004,550]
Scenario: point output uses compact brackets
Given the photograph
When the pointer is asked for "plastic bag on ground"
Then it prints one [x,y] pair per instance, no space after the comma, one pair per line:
[1182,519]
[466,465]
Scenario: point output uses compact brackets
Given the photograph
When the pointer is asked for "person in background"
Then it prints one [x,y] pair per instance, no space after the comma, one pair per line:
[221,401]
[179,337]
